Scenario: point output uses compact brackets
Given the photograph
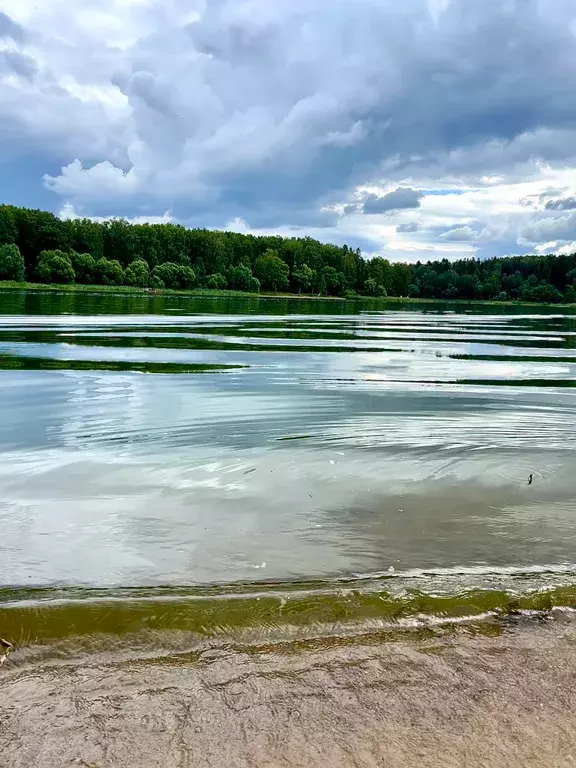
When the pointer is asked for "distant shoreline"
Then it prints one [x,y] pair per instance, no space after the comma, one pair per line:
[9,285]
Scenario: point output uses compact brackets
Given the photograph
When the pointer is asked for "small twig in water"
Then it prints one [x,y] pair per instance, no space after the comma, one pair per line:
[7,648]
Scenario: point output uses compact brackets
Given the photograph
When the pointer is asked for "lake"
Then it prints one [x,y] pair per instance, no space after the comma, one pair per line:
[211,466]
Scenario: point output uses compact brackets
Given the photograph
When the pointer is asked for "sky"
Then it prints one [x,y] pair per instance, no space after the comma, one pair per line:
[420,129]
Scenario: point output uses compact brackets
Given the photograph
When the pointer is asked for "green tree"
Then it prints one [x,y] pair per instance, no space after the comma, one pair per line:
[84,267]
[39,231]
[121,241]
[11,263]
[240,277]
[8,228]
[382,272]
[188,257]
[527,287]
[492,286]
[175,276]
[86,237]
[55,267]
[511,283]
[253,285]
[303,276]
[467,286]
[217,282]
[109,272]
[541,292]
[400,277]
[427,280]
[370,287]
[201,274]
[570,295]
[272,272]
[156,283]
[186,277]
[137,273]
[335,281]
[349,264]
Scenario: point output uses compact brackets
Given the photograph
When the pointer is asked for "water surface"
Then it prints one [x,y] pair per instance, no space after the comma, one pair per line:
[363,461]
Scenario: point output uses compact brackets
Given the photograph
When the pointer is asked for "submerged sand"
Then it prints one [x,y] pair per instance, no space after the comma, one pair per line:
[456,700]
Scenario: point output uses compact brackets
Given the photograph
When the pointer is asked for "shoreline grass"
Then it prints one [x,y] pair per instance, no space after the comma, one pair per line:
[10,285]
[134,291]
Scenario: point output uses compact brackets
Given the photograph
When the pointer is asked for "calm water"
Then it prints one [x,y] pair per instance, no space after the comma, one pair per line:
[285,450]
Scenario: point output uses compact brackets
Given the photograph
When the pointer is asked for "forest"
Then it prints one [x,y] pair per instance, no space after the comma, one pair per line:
[37,246]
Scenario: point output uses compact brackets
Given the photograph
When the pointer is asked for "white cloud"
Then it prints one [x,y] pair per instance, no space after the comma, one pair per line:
[480,213]
[556,248]
[457,223]
[545,229]
[463,234]
[102,179]
[68,212]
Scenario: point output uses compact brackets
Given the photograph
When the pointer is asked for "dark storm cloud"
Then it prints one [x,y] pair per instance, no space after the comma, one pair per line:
[270,111]
[17,63]
[257,99]
[398,200]
[564,204]
[9,29]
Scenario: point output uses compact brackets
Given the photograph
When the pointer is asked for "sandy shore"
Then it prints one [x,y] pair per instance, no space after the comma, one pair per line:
[456,701]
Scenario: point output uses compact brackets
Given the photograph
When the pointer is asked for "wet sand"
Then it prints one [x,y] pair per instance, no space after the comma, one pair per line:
[456,700]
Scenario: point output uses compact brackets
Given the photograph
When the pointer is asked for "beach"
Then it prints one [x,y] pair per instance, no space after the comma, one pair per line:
[463,698]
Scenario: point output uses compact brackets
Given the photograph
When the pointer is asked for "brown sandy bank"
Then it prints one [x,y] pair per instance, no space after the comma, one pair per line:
[457,700]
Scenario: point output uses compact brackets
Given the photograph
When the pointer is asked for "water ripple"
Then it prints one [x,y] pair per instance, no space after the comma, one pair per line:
[338,442]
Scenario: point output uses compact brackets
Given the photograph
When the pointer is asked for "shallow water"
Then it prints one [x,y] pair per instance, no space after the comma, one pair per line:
[369,463]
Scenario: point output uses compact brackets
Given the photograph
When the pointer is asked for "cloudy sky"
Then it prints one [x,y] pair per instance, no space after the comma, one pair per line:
[414,129]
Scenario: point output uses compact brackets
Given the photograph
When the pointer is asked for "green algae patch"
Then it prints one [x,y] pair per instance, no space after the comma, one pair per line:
[270,612]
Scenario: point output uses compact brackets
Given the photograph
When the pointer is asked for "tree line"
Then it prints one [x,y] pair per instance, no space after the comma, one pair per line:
[37,246]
